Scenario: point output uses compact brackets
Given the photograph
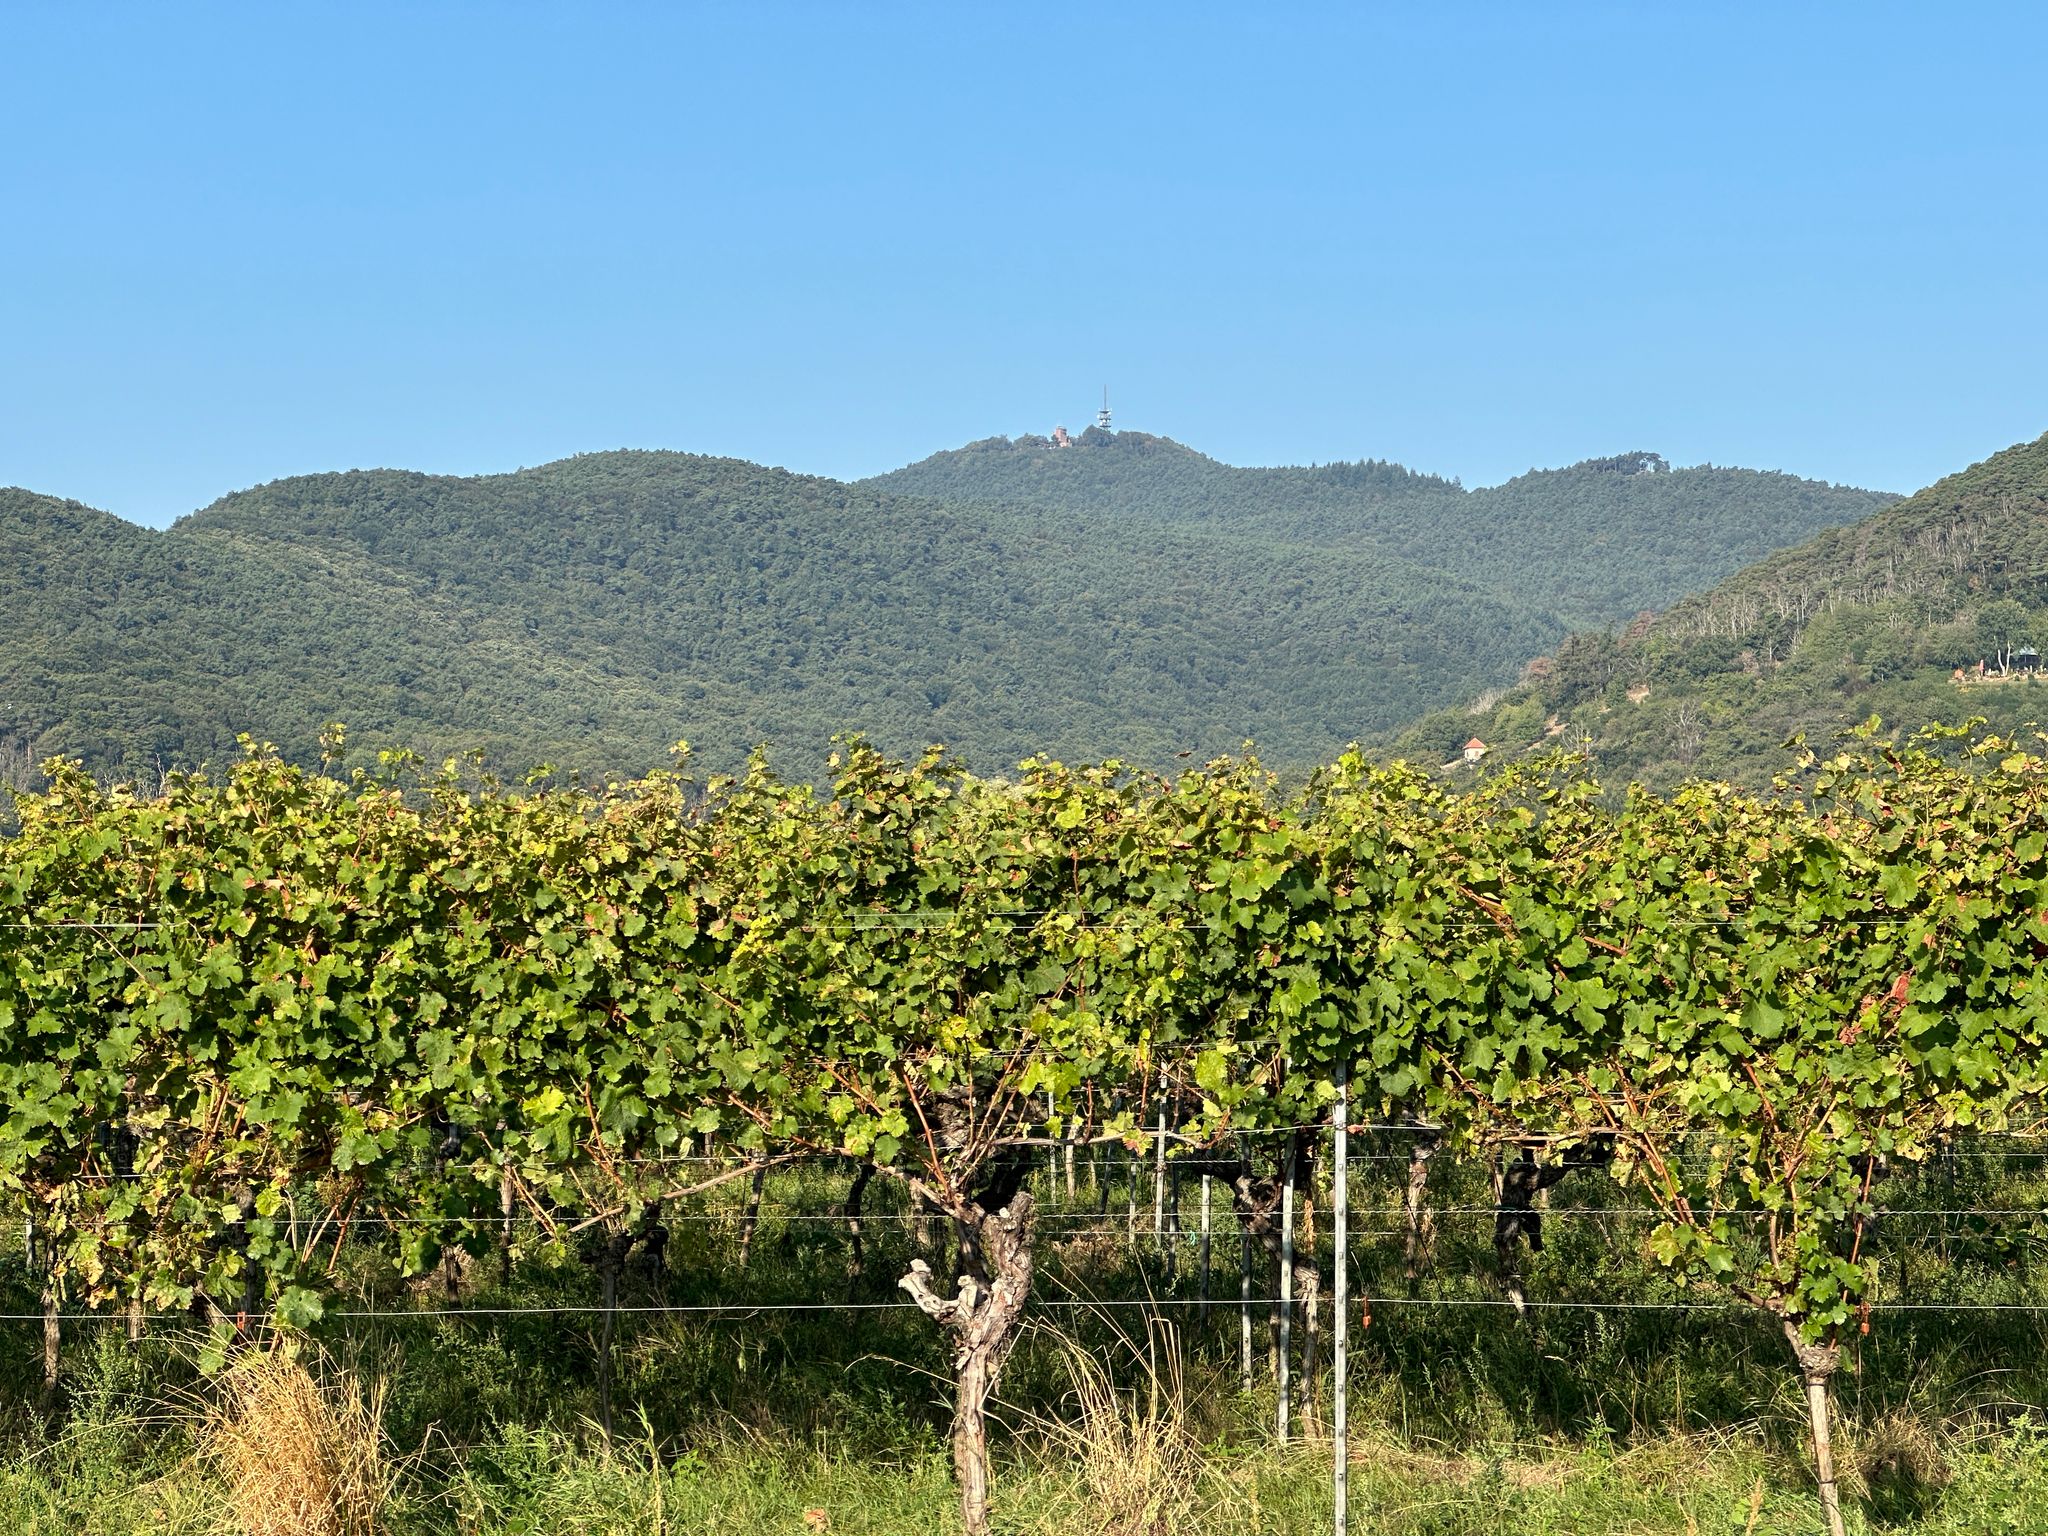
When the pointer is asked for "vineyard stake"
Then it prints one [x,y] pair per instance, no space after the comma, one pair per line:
[1286,1287]
[1244,1311]
[1159,1170]
[1340,1215]
[1203,1248]
[1174,1229]
[753,1217]
[1068,1136]
[505,1225]
[1132,1166]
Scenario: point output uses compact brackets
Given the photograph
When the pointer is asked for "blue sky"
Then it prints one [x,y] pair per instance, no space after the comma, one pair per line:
[239,243]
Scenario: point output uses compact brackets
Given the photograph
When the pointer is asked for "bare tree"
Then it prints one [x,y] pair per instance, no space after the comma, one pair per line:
[1688,731]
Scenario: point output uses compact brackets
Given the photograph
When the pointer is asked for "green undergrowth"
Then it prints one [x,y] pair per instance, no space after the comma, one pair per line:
[111,1477]
[1464,1419]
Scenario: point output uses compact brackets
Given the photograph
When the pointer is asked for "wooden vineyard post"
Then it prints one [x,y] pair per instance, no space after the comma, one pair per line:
[505,1208]
[1173,1226]
[126,1145]
[1421,1235]
[1067,1137]
[252,1277]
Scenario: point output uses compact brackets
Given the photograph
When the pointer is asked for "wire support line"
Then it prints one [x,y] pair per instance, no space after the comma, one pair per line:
[745,1310]
[93,927]
[1136,920]
[1090,1221]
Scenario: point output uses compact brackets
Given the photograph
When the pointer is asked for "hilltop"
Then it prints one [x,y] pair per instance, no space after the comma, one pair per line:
[590,612]
[1592,543]
[1917,613]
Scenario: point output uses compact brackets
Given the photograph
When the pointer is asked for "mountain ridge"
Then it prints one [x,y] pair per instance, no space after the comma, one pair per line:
[1532,528]
[590,611]
[1913,614]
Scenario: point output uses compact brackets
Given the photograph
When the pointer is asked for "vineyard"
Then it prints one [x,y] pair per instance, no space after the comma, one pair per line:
[1195,1067]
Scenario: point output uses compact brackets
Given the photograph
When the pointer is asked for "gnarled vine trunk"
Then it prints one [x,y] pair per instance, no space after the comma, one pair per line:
[1308,1295]
[852,1212]
[981,1318]
[1420,1245]
[53,1339]
[1817,1366]
[1519,1189]
[1255,1197]
[752,1219]
[610,1259]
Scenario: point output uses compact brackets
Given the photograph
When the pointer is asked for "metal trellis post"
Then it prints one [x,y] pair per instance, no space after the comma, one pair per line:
[1286,1285]
[1340,1215]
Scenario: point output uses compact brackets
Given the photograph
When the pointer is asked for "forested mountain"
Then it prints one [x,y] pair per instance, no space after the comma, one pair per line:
[1128,596]
[1593,543]
[1877,618]
[134,648]
[591,612]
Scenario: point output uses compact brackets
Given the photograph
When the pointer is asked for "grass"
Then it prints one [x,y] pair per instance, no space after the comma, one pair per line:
[1576,1424]
[539,1482]
[296,1450]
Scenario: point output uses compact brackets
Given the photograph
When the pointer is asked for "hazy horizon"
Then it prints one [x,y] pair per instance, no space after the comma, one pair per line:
[510,469]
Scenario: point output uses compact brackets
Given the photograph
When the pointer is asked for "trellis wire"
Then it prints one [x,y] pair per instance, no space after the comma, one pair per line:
[742,1309]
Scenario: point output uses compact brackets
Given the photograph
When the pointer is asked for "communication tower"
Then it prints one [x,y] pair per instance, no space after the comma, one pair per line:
[1102,416]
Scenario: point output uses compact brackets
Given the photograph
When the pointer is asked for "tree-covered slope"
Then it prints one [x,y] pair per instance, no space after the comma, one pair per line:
[1128,596]
[591,612]
[1595,542]
[1876,618]
[142,650]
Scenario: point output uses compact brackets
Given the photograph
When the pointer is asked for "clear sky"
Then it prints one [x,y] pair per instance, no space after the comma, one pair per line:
[239,243]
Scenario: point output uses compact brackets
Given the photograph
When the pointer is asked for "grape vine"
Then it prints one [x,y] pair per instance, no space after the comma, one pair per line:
[236,1013]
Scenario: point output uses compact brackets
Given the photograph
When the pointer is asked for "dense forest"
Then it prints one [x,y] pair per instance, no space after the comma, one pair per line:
[1010,598]
[1592,543]
[1923,612]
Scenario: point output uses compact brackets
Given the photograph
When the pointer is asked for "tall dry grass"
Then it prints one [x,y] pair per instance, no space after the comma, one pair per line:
[299,1451]
[1123,1434]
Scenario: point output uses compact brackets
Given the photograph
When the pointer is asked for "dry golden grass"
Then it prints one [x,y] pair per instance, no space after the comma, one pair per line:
[1136,1462]
[298,1454]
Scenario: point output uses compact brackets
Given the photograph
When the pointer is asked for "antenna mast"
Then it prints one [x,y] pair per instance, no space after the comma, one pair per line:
[1102,416]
